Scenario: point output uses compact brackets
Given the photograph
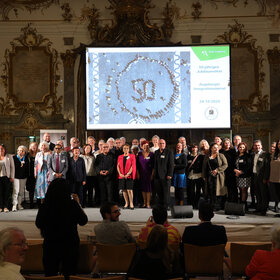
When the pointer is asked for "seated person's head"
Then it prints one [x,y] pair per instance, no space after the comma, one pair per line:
[13,246]
[205,211]
[110,211]
[275,237]
[159,214]
[158,239]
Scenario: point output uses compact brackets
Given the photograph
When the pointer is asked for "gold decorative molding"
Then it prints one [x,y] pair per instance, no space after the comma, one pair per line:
[233,2]
[68,59]
[67,15]
[27,42]
[92,15]
[239,38]
[131,25]
[6,6]
[196,10]
[273,56]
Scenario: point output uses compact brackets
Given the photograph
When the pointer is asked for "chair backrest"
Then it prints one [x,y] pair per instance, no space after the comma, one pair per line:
[204,260]
[241,254]
[106,278]
[132,278]
[33,262]
[85,264]
[58,277]
[114,258]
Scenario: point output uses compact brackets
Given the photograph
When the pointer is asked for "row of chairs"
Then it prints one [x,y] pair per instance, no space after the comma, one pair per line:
[116,259]
[83,278]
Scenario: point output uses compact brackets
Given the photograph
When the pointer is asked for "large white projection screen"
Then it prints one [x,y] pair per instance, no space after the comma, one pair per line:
[158,87]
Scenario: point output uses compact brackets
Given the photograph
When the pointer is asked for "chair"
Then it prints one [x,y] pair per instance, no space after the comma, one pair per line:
[58,277]
[204,260]
[132,278]
[86,259]
[86,278]
[114,258]
[241,254]
[33,260]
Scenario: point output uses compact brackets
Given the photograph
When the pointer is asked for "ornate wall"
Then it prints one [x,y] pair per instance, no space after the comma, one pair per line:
[41,53]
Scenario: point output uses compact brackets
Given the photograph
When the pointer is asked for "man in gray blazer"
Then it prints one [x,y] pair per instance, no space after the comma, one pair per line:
[57,164]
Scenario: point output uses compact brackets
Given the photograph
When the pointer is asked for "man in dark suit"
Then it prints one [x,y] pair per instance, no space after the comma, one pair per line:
[261,171]
[57,164]
[77,173]
[205,234]
[163,172]
[105,164]
[47,138]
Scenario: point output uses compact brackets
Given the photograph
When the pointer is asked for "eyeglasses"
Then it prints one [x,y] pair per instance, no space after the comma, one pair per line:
[57,148]
[116,211]
[22,245]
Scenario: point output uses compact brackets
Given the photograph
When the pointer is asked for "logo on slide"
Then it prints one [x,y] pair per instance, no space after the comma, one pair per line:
[211,113]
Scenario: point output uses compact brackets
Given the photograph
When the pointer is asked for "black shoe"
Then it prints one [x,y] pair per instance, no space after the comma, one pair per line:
[277,215]
[127,207]
[131,208]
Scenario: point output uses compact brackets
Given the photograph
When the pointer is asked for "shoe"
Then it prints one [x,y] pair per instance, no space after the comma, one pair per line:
[20,207]
[6,210]
[149,207]
[131,208]
[0,210]
[126,207]
[277,215]
[14,209]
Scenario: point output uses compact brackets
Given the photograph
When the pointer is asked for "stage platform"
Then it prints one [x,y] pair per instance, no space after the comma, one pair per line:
[243,228]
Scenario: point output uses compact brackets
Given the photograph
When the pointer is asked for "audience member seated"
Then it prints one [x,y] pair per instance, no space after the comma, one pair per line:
[57,219]
[13,247]
[159,218]
[111,230]
[265,264]
[156,261]
[205,234]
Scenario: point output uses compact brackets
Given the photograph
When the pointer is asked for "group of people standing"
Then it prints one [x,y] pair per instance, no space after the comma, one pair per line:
[144,172]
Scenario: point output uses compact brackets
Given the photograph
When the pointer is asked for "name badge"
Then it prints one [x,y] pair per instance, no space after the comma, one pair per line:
[189,161]
[63,160]
[241,161]
[260,159]
[22,162]
[162,156]
[128,158]
[147,158]
[177,157]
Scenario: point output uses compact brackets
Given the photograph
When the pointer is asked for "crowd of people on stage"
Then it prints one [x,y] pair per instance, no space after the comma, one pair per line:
[144,171]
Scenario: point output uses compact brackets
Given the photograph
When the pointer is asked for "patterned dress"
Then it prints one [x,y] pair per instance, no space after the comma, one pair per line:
[41,171]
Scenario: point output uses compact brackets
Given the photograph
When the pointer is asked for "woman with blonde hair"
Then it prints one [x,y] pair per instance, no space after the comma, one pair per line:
[41,171]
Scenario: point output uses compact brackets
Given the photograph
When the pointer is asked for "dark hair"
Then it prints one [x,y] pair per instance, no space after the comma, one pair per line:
[75,148]
[4,147]
[84,147]
[246,148]
[106,208]
[59,192]
[157,240]
[276,153]
[159,214]
[211,146]
[193,146]
[205,210]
